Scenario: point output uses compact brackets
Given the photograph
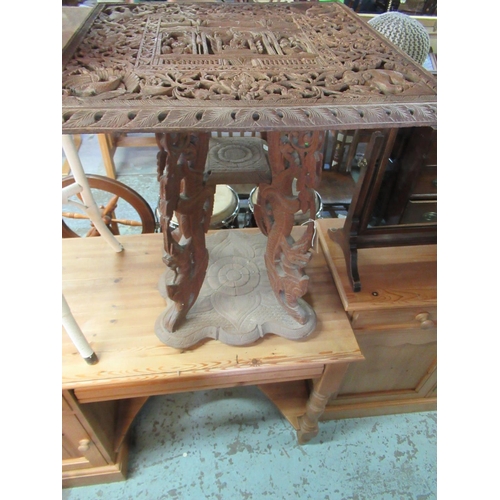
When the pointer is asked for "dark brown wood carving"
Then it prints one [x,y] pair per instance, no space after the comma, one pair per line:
[291,70]
[156,66]
[296,164]
[183,191]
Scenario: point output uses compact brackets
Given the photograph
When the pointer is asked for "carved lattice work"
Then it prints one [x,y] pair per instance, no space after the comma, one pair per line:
[296,162]
[213,66]
[183,191]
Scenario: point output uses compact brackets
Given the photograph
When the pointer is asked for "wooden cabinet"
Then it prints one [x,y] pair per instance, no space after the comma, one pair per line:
[396,360]
[89,451]
[394,319]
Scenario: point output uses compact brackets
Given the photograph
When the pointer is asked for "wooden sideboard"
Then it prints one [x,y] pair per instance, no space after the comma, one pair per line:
[114,298]
[394,318]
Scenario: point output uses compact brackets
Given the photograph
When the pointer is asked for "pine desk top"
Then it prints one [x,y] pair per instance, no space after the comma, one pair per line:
[115,300]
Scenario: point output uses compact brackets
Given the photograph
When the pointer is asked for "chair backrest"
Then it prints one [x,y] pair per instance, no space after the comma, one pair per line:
[342,147]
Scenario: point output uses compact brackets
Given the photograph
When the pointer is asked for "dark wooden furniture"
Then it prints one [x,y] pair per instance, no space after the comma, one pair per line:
[395,199]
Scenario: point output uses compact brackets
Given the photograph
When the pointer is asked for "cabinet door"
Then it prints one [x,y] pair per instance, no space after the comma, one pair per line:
[78,449]
[398,363]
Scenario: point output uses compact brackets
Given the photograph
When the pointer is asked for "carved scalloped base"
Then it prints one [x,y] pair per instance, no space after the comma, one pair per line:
[236,304]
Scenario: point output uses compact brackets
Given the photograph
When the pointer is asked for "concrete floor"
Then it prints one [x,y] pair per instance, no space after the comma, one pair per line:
[234,444]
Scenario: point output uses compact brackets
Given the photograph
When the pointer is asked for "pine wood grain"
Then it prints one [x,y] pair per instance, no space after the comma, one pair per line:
[377,408]
[394,277]
[73,477]
[114,298]
[394,318]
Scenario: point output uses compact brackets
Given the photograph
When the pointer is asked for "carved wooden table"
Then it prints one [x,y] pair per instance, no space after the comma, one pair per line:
[292,71]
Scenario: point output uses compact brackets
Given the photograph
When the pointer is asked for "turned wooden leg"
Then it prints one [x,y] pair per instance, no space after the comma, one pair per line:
[181,164]
[296,161]
[323,389]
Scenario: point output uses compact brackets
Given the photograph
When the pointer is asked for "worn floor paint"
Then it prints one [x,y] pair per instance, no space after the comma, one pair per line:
[234,444]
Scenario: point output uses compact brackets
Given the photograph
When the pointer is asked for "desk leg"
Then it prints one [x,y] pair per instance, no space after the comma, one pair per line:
[181,165]
[323,388]
[296,160]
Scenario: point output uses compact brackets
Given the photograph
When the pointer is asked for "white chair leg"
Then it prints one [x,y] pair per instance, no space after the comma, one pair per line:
[76,334]
[91,207]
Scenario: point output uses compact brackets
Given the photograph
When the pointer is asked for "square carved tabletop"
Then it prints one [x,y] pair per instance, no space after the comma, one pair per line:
[150,67]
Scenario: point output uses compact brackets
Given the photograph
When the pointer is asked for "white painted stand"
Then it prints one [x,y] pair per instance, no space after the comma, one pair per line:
[76,335]
[90,207]
[89,204]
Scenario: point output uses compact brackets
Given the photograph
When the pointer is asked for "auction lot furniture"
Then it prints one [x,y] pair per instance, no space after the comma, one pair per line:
[115,300]
[291,70]
[183,71]
[394,319]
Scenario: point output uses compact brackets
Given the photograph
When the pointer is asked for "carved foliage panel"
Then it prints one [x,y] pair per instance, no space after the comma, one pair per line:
[212,55]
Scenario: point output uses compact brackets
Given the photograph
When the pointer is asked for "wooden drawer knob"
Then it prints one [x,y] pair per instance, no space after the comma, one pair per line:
[83,445]
[425,321]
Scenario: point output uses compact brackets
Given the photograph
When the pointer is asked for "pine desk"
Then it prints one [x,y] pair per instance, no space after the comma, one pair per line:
[114,298]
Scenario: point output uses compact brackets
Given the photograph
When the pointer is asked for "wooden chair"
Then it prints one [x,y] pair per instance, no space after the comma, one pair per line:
[341,147]
[108,143]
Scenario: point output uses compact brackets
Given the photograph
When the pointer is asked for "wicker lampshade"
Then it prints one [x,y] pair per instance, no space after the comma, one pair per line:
[405,32]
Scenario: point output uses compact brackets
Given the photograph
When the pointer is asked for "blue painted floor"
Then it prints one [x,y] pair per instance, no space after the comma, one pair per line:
[234,444]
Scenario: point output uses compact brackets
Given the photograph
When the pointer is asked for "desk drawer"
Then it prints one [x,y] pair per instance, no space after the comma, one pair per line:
[423,318]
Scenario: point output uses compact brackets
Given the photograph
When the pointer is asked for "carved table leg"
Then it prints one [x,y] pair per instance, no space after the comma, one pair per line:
[296,160]
[323,389]
[181,164]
